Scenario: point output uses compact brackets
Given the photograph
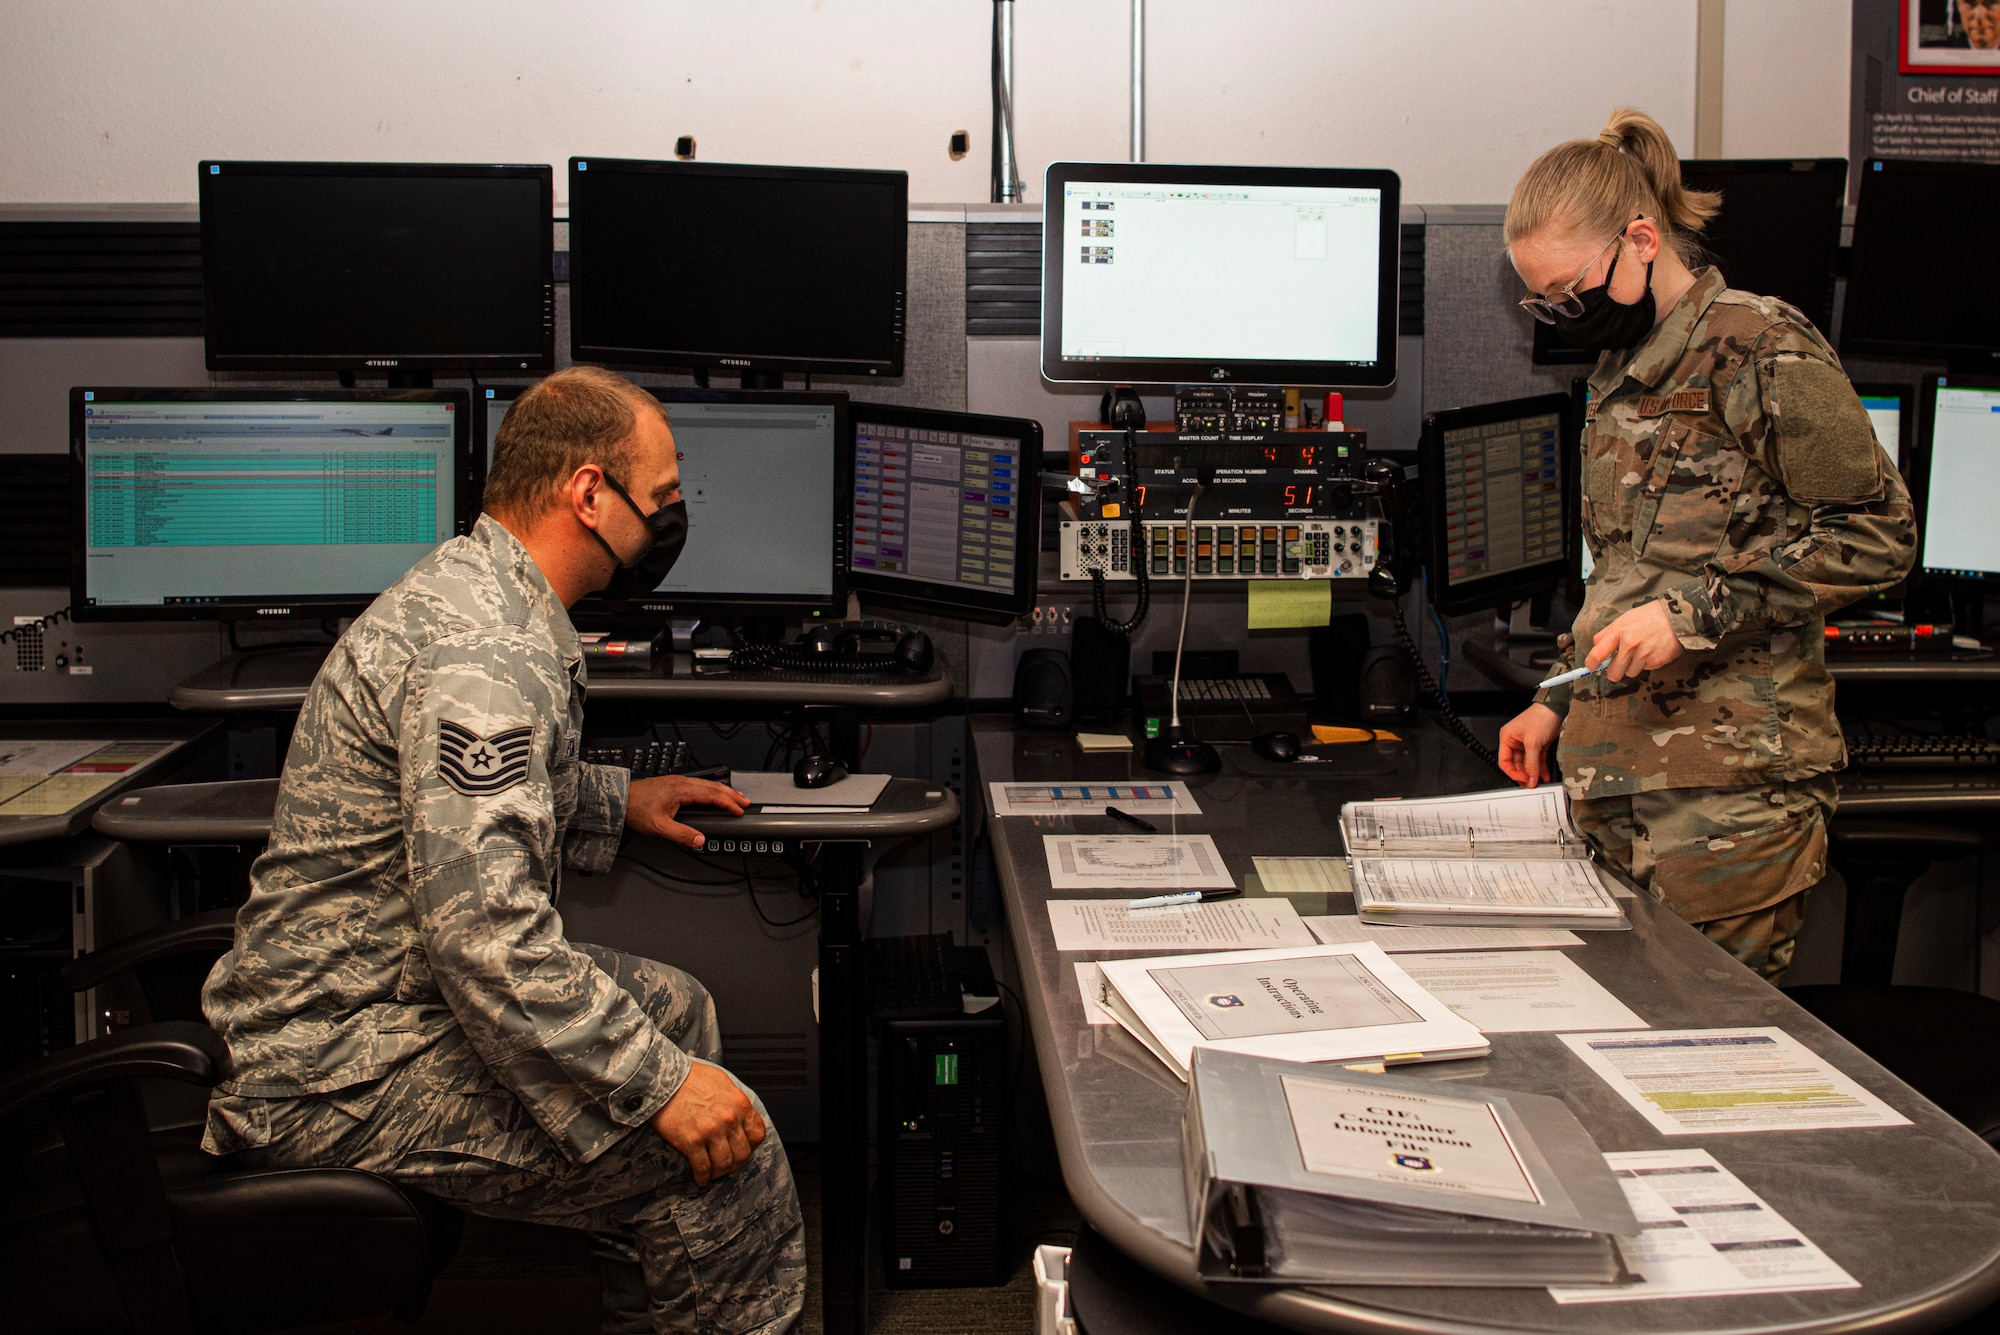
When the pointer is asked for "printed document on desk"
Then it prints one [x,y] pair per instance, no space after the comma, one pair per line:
[1303,876]
[1318,1003]
[1505,822]
[1704,1235]
[1226,924]
[1691,1082]
[1157,862]
[1334,928]
[1483,892]
[1520,991]
[1090,799]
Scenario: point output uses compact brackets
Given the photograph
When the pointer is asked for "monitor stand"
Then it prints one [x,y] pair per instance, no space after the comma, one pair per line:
[762,380]
[1529,620]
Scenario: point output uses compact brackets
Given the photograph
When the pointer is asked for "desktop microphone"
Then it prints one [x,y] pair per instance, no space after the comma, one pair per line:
[1174,751]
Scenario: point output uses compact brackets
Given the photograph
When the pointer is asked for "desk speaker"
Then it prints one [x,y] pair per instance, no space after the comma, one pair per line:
[1044,691]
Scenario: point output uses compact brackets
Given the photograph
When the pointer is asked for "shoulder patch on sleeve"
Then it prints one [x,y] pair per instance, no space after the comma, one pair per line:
[1827,449]
[482,766]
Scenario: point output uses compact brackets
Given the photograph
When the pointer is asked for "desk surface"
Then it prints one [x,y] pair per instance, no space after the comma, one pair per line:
[76,816]
[275,680]
[239,812]
[1912,1212]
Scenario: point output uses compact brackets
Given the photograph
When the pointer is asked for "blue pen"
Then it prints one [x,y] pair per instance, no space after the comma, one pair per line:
[1183,897]
[1576,675]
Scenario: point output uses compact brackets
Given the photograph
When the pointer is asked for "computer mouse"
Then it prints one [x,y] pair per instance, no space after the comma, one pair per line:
[818,772]
[914,652]
[1280,746]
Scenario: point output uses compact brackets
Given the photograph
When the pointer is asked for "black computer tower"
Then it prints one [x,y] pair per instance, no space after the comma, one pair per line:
[944,1100]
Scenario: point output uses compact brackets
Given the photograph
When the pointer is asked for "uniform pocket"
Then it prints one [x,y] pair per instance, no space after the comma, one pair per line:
[1683,510]
[736,1233]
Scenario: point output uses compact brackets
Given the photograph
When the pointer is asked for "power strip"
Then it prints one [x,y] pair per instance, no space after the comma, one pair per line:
[1288,549]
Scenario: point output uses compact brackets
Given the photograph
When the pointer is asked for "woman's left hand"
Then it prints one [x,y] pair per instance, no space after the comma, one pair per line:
[1639,641]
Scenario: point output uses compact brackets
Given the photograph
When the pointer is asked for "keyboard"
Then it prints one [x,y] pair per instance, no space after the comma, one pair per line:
[1225,688]
[1913,750]
[646,762]
[912,976]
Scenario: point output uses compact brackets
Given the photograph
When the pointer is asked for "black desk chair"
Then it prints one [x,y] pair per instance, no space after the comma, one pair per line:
[1938,1040]
[123,1223]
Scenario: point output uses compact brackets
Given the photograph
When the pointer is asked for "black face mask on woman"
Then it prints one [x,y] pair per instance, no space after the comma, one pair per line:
[667,527]
[1607,324]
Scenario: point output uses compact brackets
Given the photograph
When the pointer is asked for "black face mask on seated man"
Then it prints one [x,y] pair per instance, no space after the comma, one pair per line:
[668,527]
[1606,323]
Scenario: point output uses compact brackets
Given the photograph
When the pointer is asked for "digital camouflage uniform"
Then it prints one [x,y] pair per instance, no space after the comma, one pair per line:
[401,997]
[1730,472]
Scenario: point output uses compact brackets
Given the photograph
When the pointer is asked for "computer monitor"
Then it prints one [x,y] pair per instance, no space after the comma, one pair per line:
[1155,274]
[1890,412]
[769,483]
[1914,292]
[191,504]
[1959,472]
[375,268]
[759,270]
[947,512]
[1496,497]
[1779,229]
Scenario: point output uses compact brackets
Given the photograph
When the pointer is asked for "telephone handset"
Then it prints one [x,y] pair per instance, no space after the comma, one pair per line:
[1398,543]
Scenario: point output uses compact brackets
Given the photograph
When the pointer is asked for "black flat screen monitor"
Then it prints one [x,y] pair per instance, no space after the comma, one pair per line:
[1914,292]
[1158,274]
[1891,411]
[1496,499]
[947,512]
[378,267]
[1779,229]
[759,270]
[769,484]
[192,504]
[1959,475]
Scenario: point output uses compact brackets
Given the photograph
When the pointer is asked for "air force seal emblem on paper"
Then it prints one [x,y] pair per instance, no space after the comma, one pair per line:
[482,766]
[1225,1001]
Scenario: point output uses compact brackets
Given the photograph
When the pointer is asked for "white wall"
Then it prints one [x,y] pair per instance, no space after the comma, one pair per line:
[111,101]
[1785,78]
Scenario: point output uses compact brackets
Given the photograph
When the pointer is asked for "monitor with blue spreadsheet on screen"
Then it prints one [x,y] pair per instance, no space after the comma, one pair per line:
[1496,496]
[1960,477]
[198,504]
[947,512]
[767,478]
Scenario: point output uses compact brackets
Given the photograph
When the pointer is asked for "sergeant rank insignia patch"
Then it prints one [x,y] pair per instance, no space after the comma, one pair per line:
[482,766]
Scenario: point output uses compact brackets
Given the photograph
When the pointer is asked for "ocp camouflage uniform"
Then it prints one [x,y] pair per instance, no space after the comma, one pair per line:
[401,996]
[1730,472]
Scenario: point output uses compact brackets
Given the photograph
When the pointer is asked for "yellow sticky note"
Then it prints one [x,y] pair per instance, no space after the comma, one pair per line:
[1283,604]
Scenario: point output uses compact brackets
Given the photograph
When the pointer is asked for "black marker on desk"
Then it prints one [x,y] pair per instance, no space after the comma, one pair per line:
[1132,820]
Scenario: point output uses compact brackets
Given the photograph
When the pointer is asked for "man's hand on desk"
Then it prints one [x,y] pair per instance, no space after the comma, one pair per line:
[1638,641]
[652,804]
[1525,743]
[711,1122]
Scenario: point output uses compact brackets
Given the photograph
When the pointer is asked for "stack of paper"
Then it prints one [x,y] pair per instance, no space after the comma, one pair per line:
[1348,1003]
[1510,858]
[1300,1175]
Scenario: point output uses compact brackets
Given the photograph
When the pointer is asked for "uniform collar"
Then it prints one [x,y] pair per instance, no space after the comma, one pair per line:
[1654,360]
[511,559]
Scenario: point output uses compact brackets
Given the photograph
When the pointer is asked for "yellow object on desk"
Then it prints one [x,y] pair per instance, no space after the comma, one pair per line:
[1288,604]
[1334,736]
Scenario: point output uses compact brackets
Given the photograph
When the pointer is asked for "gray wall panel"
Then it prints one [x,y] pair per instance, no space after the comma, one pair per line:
[36,375]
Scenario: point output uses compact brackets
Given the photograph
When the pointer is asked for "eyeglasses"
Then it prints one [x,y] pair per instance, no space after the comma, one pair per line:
[1563,300]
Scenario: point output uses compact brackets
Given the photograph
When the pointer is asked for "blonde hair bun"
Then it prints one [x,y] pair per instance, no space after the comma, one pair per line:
[1597,186]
